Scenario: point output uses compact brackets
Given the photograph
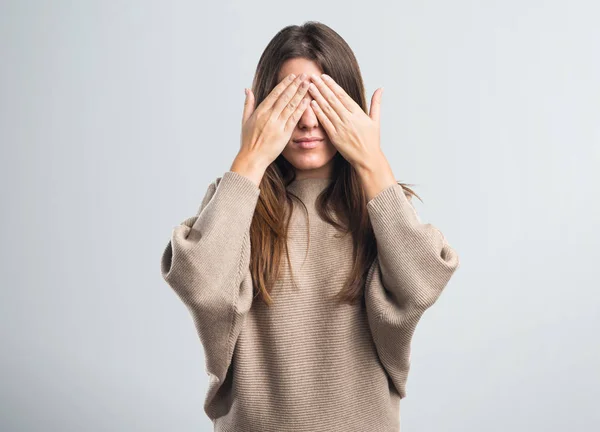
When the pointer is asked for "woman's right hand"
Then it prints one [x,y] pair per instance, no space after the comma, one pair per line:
[267,129]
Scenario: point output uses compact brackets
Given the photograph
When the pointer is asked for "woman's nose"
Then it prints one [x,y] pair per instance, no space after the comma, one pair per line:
[308,119]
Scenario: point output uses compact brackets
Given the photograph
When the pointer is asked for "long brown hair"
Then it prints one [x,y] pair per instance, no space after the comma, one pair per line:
[344,196]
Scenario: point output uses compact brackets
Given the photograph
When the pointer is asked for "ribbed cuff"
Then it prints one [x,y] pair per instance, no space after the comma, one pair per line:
[235,198]
[392,202]
[240,182]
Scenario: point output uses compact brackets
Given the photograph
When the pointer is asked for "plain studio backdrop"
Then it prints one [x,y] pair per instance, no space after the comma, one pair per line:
[115,116]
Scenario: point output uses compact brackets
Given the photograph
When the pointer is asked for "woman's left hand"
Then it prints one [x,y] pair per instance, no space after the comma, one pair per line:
[354,133]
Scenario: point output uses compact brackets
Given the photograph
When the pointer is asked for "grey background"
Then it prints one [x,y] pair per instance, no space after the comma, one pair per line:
[115,116]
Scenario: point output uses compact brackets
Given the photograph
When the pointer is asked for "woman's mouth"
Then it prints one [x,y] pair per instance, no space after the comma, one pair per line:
[308,144]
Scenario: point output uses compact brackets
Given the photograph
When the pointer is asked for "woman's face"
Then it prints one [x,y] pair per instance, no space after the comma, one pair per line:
[309,162]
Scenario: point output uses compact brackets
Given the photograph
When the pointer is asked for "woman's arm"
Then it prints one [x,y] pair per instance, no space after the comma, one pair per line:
[206,262]
[413,265]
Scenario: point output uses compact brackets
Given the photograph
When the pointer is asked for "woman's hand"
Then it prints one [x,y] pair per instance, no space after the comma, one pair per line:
[267,129]
[354,133]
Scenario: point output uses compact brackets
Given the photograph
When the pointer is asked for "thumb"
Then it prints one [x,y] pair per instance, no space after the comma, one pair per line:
[374,111]
[248,105]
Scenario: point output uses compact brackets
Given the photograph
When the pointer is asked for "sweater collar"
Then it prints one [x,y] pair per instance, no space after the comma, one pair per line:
[309,188]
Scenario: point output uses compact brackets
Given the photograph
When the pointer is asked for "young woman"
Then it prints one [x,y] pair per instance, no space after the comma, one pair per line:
[306,267]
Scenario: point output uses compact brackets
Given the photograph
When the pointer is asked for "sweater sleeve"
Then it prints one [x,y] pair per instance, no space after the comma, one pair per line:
[414,263]
[206,262]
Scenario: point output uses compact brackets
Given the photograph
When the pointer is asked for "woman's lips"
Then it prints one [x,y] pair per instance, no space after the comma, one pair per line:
[308,144]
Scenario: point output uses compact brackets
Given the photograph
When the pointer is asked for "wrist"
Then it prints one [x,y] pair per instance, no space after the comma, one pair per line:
[375,175]
[368,166]
[250,166]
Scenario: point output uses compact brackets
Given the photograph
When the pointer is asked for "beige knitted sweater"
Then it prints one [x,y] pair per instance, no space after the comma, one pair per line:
[307,363]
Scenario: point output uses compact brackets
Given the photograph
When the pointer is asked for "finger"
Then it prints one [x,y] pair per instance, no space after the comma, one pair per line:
[295,117]
[286,97]
[341,94]
[273,96]
[323,119]
[374,111]
[323,105]
[291,107]
[248,105]
[328,95]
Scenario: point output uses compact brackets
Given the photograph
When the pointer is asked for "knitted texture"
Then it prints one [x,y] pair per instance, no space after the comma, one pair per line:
[307,363]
